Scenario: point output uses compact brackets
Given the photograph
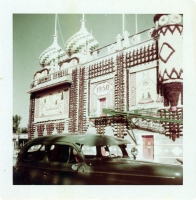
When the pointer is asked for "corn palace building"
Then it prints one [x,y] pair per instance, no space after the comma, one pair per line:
[134,90]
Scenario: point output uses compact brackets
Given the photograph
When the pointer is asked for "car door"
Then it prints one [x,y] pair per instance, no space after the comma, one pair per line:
[30,168]
[64,168]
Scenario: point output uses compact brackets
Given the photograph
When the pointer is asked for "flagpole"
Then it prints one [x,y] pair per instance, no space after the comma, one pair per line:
[136,23]
[55,31]
[123,24]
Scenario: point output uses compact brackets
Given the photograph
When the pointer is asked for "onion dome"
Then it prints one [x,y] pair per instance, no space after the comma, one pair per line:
[52,55]
[80,41]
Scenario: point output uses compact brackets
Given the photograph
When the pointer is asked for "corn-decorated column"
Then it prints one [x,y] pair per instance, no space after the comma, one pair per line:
[168,29]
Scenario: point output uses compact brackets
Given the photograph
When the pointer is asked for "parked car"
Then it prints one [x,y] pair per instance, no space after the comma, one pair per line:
[88,159]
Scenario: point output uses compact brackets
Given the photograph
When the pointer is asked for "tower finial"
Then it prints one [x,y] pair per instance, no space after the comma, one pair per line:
[83,21]
[123,25]
[55,29]
[55,33]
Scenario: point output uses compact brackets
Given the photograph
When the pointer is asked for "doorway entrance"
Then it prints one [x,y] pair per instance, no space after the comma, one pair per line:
[148,147]
[102,105]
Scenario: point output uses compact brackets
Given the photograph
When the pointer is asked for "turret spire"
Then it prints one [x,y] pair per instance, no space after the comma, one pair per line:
[123,24]
[83,22]
[55,29]
[53,55]
[136,23]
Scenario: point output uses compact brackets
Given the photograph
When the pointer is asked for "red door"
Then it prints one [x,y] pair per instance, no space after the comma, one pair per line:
[102,105]
[148,147]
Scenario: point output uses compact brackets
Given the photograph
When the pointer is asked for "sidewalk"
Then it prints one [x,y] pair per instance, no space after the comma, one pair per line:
[15,154]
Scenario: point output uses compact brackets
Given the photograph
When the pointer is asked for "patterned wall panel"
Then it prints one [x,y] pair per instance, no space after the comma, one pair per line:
[119,84]
[60,127]
[143,55]
[73,104]
[173,130]
[82,101]
[143,89]
[50,128]
[31,127]
[40,129]
[119,123]
[101,68]
[99,90]
[53,103]
[132,89]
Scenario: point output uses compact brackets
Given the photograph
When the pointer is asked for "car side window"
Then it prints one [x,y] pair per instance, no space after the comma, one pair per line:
[37,147]
[58,153]
[35,152]
[89,150]
[62,154]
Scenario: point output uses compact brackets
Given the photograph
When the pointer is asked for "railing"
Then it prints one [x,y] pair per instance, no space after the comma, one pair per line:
[133,40]
[49,77]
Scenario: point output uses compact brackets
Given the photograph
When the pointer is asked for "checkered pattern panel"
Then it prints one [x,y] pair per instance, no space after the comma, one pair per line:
[79,40]
[53,54]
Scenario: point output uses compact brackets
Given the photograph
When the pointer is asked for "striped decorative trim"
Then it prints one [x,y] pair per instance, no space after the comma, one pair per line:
[53,54]
[79,41]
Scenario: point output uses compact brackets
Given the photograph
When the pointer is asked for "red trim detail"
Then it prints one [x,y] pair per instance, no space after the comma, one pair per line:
[41,71]
[171,93]
[157,17]
[69,60]
[165,43]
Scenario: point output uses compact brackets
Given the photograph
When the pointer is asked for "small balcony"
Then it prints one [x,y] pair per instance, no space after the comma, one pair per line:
[54,79]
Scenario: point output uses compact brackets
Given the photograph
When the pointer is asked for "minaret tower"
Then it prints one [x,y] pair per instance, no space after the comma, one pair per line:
[81,44]
[53,57]
[169,28]
[55,65]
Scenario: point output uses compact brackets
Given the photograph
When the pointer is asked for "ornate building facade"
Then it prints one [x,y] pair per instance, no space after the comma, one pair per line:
[74,85]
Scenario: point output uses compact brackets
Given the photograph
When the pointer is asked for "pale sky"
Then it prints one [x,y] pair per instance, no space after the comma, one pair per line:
[33,33]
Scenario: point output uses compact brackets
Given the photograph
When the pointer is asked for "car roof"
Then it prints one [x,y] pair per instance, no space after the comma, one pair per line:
[83,139]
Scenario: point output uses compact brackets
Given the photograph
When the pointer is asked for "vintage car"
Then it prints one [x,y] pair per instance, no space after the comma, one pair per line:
[88,159]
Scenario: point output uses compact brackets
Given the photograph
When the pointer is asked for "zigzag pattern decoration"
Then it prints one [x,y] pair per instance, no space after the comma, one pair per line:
[54,54]
[79,41]
[170,28]
[170,76]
